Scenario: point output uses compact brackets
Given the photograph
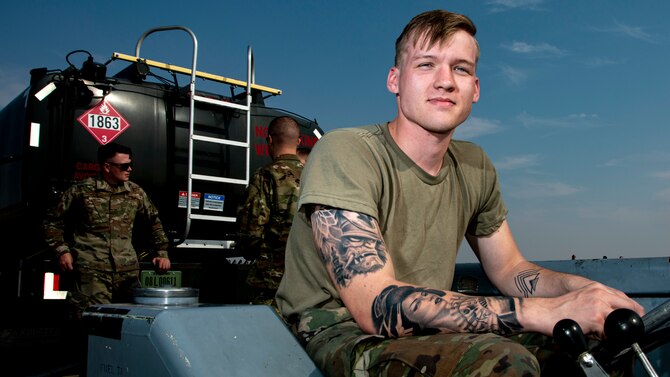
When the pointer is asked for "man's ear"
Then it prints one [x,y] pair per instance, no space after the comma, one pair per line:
[475,97]
[392,80]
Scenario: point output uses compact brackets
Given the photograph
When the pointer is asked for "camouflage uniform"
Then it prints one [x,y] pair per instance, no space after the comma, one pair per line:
[340,348]
[264,222]
[94,222]
[422,219]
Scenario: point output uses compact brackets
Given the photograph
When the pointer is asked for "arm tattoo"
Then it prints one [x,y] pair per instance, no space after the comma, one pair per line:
[408,310]
[526,281]
[349,242]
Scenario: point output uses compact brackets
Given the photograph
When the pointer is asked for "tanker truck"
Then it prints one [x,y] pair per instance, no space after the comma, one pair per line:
[193,153]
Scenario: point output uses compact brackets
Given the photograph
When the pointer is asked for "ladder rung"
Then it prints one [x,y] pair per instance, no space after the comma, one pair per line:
[212,178]
[205,244]
[220,141]
[219,102]
[213,218]
[187,71]
[204,97]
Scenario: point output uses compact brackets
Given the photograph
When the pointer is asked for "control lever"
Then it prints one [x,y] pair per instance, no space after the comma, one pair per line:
[624,328]
[569,335]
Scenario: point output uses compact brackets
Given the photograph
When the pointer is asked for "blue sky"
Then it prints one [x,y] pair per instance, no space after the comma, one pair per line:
[574,110]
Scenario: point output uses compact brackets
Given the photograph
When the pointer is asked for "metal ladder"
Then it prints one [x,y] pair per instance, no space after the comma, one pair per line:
[193,97]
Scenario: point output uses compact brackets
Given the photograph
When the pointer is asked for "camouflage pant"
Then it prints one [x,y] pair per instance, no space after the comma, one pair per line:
[93,287]
[339,348]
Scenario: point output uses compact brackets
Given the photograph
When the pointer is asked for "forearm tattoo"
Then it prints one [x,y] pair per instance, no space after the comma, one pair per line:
[408,310]
[350,243]
[526,281]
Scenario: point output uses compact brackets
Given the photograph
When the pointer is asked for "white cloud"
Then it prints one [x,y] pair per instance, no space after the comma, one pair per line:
[582,116]
[650,157]
[500,5]
[540,49]
[613,163]
[537,189]
[600,62]
[513,75]
[475,127]
[569,121]
[635,32]
[517,162]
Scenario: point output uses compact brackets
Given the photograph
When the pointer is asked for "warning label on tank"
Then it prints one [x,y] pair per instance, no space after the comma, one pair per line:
[195,199]
[213,202]
[103,122]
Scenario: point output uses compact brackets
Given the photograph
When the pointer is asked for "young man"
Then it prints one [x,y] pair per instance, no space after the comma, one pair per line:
[100,212]
[383,210]
[271,201]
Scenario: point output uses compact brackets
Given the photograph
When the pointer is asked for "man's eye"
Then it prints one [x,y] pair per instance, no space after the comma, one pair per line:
[462,69]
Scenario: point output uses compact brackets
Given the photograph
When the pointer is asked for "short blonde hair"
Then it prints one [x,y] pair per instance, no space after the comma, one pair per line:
[433,27]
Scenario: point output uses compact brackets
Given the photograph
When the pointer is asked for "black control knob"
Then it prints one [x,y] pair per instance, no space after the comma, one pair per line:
[624,327]
[569,335]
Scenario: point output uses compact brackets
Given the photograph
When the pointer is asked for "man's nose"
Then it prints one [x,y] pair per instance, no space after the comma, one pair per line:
[444,79]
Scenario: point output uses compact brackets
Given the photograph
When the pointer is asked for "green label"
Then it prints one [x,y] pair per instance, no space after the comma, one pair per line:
[152,279]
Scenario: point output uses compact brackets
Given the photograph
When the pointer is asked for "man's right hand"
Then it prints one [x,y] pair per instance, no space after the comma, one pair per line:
[162,264]
[65,262]
[588,306]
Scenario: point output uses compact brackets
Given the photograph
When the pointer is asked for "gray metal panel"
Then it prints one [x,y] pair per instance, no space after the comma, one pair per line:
[235,340]
[635,276]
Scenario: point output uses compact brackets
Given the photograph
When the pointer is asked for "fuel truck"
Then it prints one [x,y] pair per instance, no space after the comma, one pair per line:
[193,153]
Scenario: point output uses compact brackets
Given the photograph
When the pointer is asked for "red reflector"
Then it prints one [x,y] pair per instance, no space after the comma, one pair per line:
[56,279]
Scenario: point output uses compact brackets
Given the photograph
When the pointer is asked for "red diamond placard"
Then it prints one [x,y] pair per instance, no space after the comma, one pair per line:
[103,122]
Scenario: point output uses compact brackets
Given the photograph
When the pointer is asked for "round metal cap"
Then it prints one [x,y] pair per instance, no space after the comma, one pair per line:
[165,296]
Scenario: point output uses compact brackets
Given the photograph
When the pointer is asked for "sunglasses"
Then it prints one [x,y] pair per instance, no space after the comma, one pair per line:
[122,167]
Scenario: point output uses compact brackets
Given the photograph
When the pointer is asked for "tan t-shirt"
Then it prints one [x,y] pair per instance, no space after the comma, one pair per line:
[423,218]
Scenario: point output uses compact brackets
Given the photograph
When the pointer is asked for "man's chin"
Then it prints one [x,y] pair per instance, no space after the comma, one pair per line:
[441,130]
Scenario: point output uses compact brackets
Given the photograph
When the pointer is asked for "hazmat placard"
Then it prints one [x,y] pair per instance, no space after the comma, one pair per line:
[103,122]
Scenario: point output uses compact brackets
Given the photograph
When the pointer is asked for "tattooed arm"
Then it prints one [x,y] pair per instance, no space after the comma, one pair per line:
[356,258]
[354,253]
[513,275]
[548,295]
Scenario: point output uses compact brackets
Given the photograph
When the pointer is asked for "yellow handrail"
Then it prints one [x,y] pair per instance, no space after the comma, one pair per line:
[187,71]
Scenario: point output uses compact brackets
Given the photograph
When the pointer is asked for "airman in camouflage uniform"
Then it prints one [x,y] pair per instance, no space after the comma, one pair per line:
[371,254]
[271,201]
[91,232]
